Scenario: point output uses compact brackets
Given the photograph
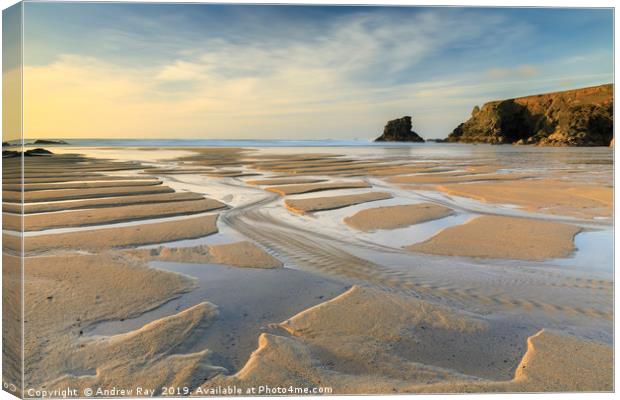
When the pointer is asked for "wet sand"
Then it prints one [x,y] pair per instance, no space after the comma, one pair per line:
[240,254]
[283,181]
[491,295]
[546,196]
[392,217]
[98,216]
[387,345]
[455,177]
[67,293]
[78,185]
[285,190]
[99,202]
[104,238]
[314,204]
[72,194]
[503,237]
[249,301]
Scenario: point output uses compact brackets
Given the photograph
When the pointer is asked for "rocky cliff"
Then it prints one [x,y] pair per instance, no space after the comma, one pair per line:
[580,117]
[399,130]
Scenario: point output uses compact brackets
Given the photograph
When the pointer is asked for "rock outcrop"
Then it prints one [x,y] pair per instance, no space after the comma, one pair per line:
[28,153]
[580,117]
[49,141]
[399,130]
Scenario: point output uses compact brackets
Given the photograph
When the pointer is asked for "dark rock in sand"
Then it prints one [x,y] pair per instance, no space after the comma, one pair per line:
[28,153]
[581,117]
[10,153]
[399,130]
[37,152]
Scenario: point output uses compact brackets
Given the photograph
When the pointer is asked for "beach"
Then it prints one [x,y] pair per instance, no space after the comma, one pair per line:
[426,268]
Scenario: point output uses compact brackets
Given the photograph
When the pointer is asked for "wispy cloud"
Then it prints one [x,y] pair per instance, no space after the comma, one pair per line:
[521,71]
[345,80]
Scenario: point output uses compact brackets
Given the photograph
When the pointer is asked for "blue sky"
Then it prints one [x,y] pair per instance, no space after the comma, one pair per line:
[232,71]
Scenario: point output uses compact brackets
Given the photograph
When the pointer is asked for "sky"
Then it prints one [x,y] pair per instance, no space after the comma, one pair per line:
[114,70]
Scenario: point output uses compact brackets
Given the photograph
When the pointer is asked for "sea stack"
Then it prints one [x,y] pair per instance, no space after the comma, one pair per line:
[399,130]
[580,117]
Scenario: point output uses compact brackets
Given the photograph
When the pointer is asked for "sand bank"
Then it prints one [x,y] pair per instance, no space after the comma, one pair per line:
[101,202]
[368,341]
[108,215]
[392,217]
[554,362]
[84,177]
[240,254]
[348,343]
[301,206]
[456,177]
[104,238]
[503,237]
[317,187]
[72,194]
[547,196]
[405,170]
[283,181]
[67,294]
[147,357]
[27,187]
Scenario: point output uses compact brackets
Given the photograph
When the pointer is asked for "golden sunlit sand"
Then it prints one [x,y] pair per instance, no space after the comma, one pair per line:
[315,187]
[104,254]
[103,238]
[392,217]
[546,196]
[332,202]
[241,254]
[503,237]
[74,218]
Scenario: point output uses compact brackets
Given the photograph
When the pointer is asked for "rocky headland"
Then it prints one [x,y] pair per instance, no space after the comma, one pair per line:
[580,117]
[399,130]
[49,141]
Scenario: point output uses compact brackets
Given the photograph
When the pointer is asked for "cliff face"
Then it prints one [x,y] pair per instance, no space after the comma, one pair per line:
[581,117]
[399,130]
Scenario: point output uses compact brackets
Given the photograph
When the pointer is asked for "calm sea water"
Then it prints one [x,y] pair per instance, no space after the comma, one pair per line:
[515,156]
[589,160]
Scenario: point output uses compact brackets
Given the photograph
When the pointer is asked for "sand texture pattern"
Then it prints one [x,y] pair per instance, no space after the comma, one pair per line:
[124,287]
[546,196]
[317,187]
[283,181]
[80,185]
[97,216]
[503,237]
[71,194]
[147,357]
[100,202]
[240,254]
[103,238]
[301,206]
[67,294]
[392,217]
[368,341]
[456,177]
